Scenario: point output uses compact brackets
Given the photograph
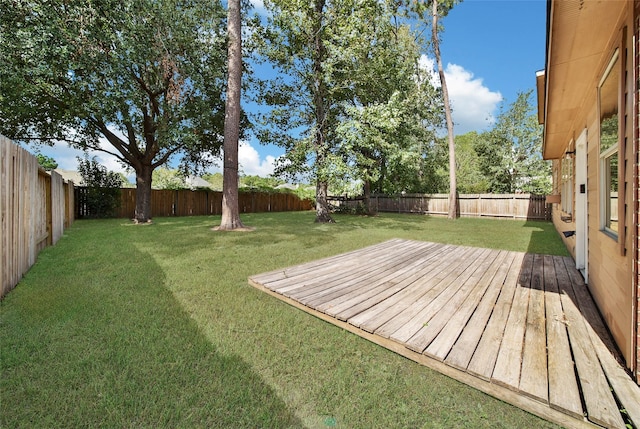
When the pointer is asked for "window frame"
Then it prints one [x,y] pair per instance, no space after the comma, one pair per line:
[567,173]
[606,155]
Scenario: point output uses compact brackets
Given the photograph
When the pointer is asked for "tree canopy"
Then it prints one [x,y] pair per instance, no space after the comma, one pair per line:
[46,162]
[350,102]
[146,76]
[509,154]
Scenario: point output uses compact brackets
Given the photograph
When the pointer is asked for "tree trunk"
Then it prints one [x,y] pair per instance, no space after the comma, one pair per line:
[319,96]
[453,200]
[322,206]
[143,194]
[230,210]
[367,197]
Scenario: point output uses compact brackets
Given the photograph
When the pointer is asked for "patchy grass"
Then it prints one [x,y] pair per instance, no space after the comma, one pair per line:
[156,326]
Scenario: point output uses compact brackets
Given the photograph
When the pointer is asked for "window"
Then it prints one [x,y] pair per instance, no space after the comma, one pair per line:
[609,139]
[566,193]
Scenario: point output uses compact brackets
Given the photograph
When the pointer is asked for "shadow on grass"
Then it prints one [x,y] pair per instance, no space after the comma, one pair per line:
[114,349]
[544,239]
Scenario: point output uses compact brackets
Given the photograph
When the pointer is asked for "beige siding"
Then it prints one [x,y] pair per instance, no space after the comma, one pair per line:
[610,263]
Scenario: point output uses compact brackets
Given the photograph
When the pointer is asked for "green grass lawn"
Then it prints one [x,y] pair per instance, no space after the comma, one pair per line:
[156,326]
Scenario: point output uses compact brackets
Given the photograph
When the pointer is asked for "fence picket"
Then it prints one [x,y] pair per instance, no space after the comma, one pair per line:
[185,202]
[515,206]
[35,208]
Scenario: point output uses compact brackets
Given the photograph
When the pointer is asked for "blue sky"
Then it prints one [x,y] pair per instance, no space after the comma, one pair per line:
[491,50]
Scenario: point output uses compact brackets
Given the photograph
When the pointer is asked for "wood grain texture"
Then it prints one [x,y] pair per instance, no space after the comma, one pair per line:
[35,207]
[507,323]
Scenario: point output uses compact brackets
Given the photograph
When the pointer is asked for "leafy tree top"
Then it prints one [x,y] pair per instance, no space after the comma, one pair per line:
[142,80]
[46,162]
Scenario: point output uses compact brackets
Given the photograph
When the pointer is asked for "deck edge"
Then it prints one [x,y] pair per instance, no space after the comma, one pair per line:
[506,395]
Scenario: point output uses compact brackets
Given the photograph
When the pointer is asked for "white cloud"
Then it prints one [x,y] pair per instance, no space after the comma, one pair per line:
[65,156]
[248,157]
[473,104]
[250,162]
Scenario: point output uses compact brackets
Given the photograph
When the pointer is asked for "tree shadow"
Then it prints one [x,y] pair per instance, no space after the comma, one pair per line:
[545,239]
[86,355]
[572,304]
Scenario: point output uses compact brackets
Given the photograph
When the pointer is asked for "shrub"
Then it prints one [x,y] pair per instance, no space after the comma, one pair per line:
[103,188]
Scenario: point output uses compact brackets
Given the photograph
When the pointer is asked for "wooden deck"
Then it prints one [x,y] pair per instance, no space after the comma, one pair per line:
[517,326]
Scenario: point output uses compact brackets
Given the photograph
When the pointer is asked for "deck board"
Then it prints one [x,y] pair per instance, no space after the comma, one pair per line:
[469,339]
[506,371]
[442,344]
[414,333]
[534,380]
[357,279]
[563,387]
[508,323]
[486,353]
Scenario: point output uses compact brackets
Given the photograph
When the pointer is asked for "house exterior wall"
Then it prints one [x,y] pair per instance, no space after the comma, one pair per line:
[636,211]
[613,265]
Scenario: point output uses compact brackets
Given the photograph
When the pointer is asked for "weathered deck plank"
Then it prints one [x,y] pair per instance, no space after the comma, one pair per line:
[534,380]
[420,314]
[443,342]
[469,340]
[601,406]
[424,288]
[354,277]
[507,323]
[486,353]
[304,282]
[347,305]
[563,387]
[508,363]
[313,266]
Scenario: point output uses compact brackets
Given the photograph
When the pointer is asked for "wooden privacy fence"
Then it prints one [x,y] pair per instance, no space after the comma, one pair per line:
[36,207]
[186,202]
[514,206]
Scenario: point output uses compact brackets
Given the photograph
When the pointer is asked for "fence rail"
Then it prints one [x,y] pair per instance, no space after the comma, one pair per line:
[185,202]
[514,206]
[36,207]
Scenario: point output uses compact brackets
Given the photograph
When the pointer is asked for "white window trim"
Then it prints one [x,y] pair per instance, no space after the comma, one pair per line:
[604,155]
[604,191]
[567,185]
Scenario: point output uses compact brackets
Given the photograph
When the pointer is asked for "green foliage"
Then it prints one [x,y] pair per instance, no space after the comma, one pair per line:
[510,154]
[103,188]
[469,177]
[46,162]
[146,75]
[394,108]
[350,103]
[214,179]
[257,182]
[608,132]
[305,192]
[171,335]
[165,178]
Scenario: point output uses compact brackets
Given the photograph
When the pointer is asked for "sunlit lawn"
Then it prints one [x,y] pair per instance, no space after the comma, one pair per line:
[156,326]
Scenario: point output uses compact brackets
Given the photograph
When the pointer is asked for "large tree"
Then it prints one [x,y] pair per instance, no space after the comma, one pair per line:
[509,154]
[346,105]
[394,108]
[304,41]
[146,76]
[230,210]
[430,12]
[435,14]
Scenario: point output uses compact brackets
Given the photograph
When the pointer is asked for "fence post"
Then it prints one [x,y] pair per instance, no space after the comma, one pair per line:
[49,210]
